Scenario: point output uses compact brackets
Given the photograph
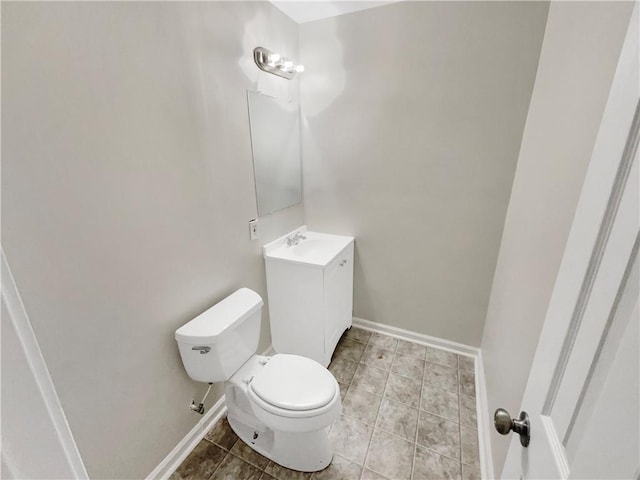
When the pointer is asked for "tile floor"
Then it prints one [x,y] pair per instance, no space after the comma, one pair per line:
[408,412]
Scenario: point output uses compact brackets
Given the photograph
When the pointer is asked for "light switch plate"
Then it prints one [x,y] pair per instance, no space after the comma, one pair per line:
[253,229]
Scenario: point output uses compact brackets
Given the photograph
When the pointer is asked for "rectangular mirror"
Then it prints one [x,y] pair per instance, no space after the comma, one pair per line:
[275,141]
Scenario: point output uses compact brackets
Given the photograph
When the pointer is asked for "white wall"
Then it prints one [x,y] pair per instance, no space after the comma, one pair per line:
[413,120]
[127,187]
[581,47]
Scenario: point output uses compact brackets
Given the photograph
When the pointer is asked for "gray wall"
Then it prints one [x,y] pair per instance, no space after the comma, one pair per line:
[127,185]
[578,59]
[413,120]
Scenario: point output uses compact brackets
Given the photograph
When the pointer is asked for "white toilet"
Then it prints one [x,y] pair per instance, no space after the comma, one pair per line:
[280,406]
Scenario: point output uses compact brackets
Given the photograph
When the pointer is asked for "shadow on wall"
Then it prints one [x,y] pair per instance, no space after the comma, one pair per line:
[362,290]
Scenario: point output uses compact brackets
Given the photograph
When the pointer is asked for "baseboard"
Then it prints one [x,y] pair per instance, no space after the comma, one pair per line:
[415,337]
[484,443]
[484,427]
[172,461]
[176,456]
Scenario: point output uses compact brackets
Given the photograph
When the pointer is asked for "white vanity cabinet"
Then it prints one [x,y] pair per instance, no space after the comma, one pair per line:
[310,293]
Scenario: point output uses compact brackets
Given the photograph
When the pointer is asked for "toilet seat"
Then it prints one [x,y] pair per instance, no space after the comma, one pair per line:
[293,386]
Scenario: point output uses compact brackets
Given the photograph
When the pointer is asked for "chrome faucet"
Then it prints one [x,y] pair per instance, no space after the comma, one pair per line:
[295,239]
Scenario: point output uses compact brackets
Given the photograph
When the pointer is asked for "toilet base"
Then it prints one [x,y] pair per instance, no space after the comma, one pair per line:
[306,451]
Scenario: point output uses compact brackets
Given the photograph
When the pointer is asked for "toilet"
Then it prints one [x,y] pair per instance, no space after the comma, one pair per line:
[281,406]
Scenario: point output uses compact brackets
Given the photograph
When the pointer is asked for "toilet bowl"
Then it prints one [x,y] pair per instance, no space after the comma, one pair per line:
[280,406]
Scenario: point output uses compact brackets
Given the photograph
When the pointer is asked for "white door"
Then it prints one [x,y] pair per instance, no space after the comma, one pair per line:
[37,442]
[582,394]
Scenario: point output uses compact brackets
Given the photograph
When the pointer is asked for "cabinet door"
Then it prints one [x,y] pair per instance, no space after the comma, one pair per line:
[338,299]
[296,309]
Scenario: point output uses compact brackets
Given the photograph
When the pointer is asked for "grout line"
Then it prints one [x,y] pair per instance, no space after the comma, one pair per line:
[441,364]
[404,376]
[248,461]
[413,461]
[400,401]
[449,367]
[440,454]
[439,416]
[374,367]
[220,446]
[375,471]
[391,400]
[375,421]
[393,434]
[415,440]
[459,425]
[460,417]
[218,466]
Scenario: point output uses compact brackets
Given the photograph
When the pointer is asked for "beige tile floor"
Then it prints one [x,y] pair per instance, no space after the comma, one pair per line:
[409,412]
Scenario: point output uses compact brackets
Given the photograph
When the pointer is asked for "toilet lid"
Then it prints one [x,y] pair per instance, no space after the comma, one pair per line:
[293,382]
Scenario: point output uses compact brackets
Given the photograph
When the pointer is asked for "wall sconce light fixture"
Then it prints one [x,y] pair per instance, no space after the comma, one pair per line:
[275,63]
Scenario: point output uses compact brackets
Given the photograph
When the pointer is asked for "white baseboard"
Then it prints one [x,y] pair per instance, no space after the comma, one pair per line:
[172,461]
[176,456]
[420,338]
[484,443]
[484,422]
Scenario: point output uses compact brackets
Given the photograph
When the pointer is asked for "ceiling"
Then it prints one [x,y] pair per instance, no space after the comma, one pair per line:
[303,11]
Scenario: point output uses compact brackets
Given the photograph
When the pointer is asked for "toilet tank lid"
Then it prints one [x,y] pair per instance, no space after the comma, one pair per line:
[211,323]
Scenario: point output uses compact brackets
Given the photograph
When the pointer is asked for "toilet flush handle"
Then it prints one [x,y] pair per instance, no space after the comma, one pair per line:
[203,349]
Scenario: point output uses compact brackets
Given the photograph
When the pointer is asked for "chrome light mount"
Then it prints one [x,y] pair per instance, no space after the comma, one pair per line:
[274,63]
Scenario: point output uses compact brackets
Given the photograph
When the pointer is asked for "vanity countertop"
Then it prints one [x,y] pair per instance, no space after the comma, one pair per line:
[315,250]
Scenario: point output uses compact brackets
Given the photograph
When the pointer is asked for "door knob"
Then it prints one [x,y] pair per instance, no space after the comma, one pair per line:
[504,424]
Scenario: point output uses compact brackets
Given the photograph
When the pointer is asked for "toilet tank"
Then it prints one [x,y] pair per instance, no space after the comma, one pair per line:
[215,344]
